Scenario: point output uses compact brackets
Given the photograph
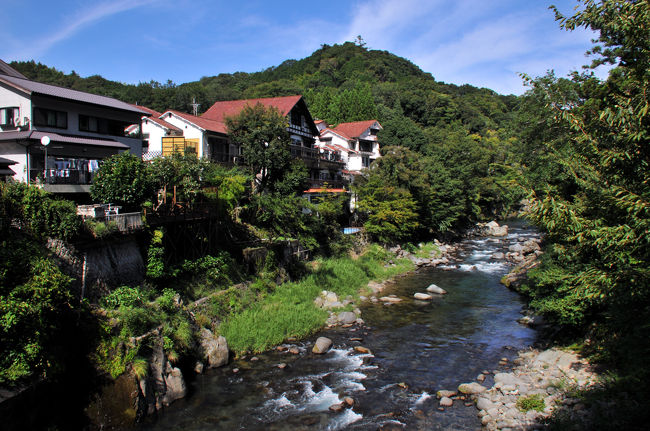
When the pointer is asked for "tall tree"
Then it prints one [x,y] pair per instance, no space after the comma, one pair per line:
[262,133]
[598,270]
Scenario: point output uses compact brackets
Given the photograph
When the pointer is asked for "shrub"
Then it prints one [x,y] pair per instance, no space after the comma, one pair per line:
[531,402]
[124,296]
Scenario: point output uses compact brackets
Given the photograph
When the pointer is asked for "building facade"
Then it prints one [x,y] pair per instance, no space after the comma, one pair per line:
[80,129]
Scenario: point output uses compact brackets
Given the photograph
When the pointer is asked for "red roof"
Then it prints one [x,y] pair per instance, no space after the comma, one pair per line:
[149,110]
[354,129]
[221,110]
[164,123]
[204,123]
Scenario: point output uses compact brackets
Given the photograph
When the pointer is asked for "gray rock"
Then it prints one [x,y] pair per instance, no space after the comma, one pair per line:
[390,299]
[422,296]
[435,289]
[506,379]
[446,402]
[215,349]
[516,248]
[471,388]
[498,255]
[484,404]
[445,393]
[347,317]
[322,345]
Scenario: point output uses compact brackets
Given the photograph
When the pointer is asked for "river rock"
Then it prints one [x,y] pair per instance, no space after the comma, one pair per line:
[493,229]
[484,404]
[435,289]
[444,393]
[446,402]
[516,248]
[361,349]
[163,385]
[215,349]
[471,388]
[322,345]
[347,317]
[337,407]
[422,296]
[390,299]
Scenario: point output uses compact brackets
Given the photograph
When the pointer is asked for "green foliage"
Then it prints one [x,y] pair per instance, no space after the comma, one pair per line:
[187,173]
[156,256]
[264,141]
[289,309]
[34,298]
[38,211]
[596,211]
[124,296]
[392,215]
[123,179]
[100,229]
[531,402]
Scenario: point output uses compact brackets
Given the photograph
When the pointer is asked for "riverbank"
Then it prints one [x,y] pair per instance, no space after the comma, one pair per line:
[541,384]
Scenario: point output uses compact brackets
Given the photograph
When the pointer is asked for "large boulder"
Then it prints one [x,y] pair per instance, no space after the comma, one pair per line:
[493,229]
[163,385]
[215,349]
[322,345]
[347,317]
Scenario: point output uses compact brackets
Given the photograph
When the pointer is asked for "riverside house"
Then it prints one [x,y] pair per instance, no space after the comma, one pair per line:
[357,142]
[57,136]
[325,166]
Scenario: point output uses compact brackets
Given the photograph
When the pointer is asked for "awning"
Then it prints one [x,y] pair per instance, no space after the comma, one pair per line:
[36,135]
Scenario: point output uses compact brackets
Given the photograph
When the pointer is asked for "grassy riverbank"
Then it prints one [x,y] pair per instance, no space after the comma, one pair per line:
[289,310]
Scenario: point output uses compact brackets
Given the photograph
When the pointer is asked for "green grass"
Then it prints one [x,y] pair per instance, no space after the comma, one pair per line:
[531,402]
[427,250]
[289,311]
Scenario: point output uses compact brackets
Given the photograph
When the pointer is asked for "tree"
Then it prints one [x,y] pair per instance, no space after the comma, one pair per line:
[597,272]
[123,179]
[262,134]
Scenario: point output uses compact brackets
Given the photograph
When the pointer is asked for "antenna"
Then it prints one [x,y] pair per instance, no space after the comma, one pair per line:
[195,107]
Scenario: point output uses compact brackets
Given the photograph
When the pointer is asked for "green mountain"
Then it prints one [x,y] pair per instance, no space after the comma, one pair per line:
[341,83]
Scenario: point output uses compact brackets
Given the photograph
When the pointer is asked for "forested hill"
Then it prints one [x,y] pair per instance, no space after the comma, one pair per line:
[345,82]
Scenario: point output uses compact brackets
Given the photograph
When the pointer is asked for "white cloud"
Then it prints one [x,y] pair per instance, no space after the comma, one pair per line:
[78,22]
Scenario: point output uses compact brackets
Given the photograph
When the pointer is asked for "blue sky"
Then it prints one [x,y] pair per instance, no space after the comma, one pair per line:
[486,43]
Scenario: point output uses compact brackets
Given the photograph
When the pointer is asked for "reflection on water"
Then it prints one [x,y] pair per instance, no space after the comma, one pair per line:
[417,348]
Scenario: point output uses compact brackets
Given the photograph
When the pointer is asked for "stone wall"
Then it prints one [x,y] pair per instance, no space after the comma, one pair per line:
[98,266]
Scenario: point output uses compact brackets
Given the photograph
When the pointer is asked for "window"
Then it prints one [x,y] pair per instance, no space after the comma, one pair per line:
[373,132]
[104,126]
[50,118]
[365,161]
[88,124]
[8,116]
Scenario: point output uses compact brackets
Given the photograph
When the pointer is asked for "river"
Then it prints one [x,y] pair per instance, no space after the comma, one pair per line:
[417,348]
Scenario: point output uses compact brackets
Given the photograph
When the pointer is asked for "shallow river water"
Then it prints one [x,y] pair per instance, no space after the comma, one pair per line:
[417,348]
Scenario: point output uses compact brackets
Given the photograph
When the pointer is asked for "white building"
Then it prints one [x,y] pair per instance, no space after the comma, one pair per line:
[357,142]
[81,128]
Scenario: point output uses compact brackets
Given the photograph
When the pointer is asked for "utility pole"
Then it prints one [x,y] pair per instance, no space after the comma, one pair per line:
[195,107]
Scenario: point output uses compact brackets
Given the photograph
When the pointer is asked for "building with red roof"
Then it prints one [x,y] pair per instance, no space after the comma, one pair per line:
[324,164]
[356,140]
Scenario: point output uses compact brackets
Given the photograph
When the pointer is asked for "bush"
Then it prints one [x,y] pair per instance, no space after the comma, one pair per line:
[531,402]
[124,296]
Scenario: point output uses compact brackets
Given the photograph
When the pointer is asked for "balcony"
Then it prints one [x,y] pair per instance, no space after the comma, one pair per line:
[61,176]
[327,184]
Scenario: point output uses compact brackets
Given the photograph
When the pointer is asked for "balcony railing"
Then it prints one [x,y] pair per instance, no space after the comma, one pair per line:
[327,184]
[61,176]
[303,152]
